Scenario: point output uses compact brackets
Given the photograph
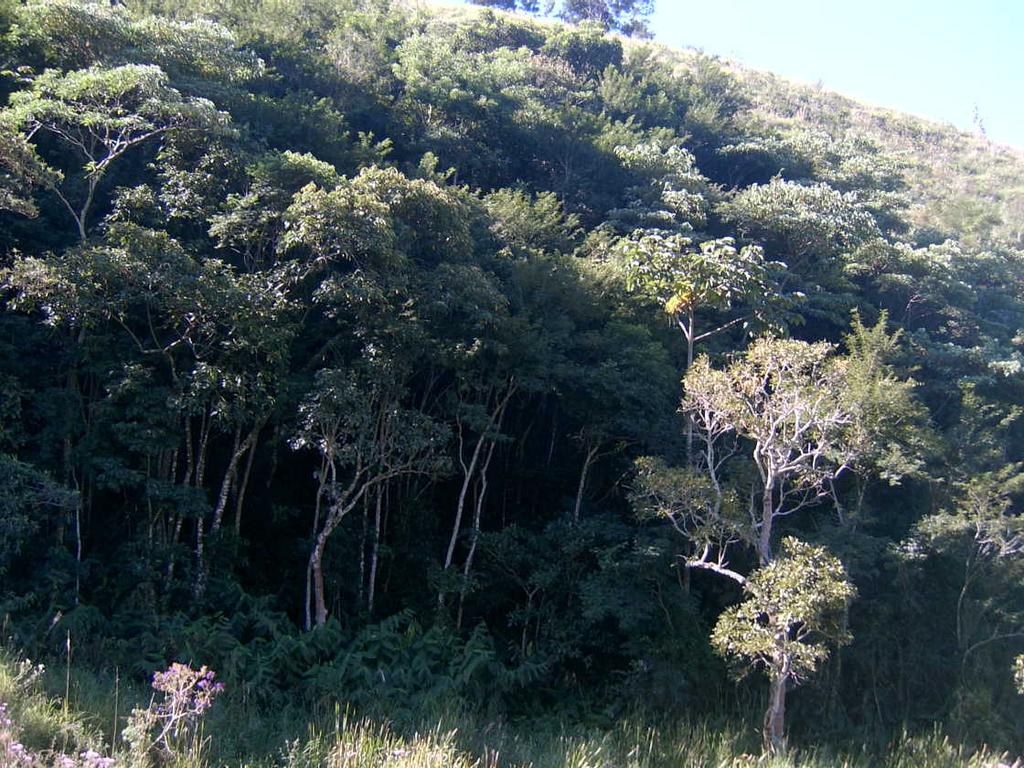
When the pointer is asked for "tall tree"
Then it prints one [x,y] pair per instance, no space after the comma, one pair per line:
[686,280]
[626,16]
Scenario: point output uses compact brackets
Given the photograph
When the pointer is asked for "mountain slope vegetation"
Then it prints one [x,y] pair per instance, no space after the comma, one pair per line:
[341,353]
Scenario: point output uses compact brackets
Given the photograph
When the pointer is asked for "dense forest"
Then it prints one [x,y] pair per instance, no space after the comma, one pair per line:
[428,360]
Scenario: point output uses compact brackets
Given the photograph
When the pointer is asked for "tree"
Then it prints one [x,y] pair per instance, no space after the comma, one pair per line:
[802,224]
[480,411]
[213,342]
[28,499]
[795,608]
[985,541]
[528,6]
[20,171]
[813,229]
[673,193]
[526,223]
[252,223]
[626,16]
[365,439]
[889,434]
[98,115]
[684,280]
[785,399]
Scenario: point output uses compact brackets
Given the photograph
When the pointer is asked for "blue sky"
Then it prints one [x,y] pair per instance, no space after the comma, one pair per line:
[939,59]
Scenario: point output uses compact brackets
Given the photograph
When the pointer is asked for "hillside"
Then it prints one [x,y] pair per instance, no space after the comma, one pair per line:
[960,183]
[341,354]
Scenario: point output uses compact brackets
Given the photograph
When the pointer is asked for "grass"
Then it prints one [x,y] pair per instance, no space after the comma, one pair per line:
[232,736]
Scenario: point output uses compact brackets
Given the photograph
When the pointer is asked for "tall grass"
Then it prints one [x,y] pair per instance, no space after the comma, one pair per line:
[236,737]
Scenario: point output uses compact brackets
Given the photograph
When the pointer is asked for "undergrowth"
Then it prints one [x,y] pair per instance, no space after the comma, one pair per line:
[86,728]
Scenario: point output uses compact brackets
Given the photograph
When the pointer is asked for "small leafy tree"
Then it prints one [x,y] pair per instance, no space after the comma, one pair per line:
[715,277]
[20,171]
[795,608]
[683,279]
[986,540]
[97,115]
[626,16]
[673,195]
[889,432]
[252,223]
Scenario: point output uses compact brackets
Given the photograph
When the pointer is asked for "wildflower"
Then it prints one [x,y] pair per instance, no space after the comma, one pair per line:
[168,725]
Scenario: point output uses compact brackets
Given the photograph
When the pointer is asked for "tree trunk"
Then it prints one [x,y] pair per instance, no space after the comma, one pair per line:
[477,512]
[316,572]
[688,332]
[764,544]
[199,585]
[468,473]
[587,463]
[361,591]
[461,505]
[226,482]
[78,546]
[775,716]
[375,553]
[244,485]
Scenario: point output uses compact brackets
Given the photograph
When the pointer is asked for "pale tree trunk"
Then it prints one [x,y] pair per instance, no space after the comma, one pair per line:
[469,472]
[316,571]
[338,511]
[477,512]
[588,462]
[688,333]
[327,474]
[375,552]
[467,478]
[764,544]
[775,716]
[227,481]
[238,450]
[78,543]
[244,485]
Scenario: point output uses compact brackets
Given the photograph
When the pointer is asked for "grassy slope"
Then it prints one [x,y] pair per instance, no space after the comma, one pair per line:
[52,730]
[950,173]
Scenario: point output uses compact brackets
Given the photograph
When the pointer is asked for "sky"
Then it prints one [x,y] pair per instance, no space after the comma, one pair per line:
[946,60]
